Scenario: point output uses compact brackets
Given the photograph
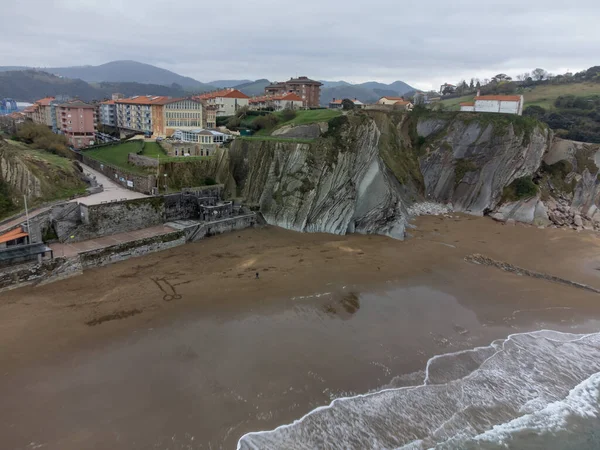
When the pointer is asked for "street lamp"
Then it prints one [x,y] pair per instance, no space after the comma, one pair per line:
[165,176]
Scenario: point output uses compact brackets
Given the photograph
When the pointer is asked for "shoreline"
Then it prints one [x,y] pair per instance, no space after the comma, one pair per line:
[361,310]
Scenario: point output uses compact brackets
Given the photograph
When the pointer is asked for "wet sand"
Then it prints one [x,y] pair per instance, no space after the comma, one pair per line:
[186,349]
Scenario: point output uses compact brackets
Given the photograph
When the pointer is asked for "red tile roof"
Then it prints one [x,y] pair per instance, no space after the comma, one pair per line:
[144,100]
[108,102]
[44,101]
[501,98]
[12,235]
[393,98]
[402,102]
[290,97]
[226,93]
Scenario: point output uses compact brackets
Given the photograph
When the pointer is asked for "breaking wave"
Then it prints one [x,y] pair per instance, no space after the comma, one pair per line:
[529,384]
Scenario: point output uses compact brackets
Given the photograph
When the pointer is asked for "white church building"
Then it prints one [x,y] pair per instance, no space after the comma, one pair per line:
[507,104]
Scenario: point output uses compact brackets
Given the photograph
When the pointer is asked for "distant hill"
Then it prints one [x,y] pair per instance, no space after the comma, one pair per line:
[31,85]
[368,92]
[253,87]
[222,84]
[127,71]
[332,84]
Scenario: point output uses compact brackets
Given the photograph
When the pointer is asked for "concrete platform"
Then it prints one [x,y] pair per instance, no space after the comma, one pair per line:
[66,249]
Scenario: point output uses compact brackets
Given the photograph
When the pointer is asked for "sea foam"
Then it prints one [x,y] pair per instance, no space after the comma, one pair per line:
[532,381]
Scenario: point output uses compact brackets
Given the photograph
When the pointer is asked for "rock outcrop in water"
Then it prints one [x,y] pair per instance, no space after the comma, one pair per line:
[368,168]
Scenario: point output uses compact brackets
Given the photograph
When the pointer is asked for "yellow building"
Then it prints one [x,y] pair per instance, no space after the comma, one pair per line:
[158,115]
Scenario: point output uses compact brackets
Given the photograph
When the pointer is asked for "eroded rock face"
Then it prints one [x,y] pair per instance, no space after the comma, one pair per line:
[310,131]
[333,186]
[17,175]
[365,173]
[531,211]
[469,162]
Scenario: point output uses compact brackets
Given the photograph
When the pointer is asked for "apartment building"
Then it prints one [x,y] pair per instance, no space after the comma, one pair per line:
[308,90]
[108,113]
[42,114]
[225,101]
[77,121]
[158,115]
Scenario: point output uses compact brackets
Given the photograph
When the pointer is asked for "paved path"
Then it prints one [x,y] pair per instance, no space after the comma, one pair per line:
[71,249]
[112,190]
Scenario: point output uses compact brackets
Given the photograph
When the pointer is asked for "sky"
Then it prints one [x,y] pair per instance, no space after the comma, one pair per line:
[424,43]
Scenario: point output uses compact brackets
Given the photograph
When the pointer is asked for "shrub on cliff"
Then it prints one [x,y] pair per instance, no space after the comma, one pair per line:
[288,114]
[521,188]
[43,138]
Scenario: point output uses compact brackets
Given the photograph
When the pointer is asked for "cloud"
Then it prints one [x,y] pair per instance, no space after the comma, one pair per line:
[423,43]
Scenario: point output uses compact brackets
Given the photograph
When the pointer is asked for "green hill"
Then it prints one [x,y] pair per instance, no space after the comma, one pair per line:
[542,95]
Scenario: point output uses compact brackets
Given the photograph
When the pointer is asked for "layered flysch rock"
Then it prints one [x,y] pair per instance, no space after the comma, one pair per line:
[470,159]
[337,184]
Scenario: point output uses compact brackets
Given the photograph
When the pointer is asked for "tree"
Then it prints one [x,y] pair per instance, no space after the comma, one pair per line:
[539,74]
[472,83]
[347,104]
[501,77]
[478,84]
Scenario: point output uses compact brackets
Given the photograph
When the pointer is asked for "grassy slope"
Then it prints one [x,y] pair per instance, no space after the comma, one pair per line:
[153,150]
[117,155]
[302,118]
[58,176]
[543,96]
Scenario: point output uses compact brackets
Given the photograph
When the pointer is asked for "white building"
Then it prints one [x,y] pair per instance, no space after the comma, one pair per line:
[197,142]
[226,101]
[506,104]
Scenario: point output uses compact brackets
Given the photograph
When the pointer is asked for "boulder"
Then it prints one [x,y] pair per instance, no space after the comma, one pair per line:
[578,221]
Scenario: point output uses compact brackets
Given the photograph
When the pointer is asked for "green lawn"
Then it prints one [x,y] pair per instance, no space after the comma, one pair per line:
[311,116]
[117,155]
[153,150]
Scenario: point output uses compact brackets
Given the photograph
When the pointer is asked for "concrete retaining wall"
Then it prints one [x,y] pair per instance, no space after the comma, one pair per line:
[48,271]
[126,250]
[202,230]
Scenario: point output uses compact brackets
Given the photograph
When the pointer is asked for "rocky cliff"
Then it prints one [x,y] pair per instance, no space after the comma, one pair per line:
[339,183]
[469,159]
[370,170]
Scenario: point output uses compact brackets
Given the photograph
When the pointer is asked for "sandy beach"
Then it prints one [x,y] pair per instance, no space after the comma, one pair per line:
[187,349]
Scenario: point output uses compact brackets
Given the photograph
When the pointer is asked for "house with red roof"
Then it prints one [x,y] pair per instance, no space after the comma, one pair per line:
[506,104]
[225,101]
[277,102]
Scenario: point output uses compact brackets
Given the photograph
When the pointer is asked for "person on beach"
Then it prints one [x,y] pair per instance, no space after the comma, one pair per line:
[257,275]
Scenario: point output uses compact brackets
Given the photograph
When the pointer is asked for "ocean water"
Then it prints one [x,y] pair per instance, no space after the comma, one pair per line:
[538,390]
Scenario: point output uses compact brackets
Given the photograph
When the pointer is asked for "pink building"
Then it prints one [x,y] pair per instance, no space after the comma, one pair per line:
[77,121]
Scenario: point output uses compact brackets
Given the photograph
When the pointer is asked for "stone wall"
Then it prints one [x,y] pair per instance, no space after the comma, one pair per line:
[48,271]
[118,217]
[135,182]
[142,161]
[126,250]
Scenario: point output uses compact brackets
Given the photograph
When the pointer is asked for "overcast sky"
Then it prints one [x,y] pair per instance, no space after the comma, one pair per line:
[423,43]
